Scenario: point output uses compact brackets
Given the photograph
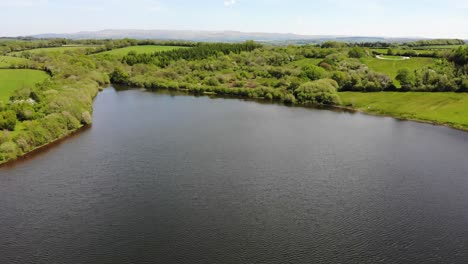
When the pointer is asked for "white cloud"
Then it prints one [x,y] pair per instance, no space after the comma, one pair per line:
[229,2]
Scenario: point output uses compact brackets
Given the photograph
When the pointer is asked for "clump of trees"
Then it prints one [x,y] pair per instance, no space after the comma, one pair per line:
[429,80]
[322,91]
[460,56]
[357,52]
[445,76]
[436,42]
[198,52]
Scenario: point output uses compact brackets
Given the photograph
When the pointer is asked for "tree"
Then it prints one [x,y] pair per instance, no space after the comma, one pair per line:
[407,78]
[8,120]
[322,91]
[460,56]
[334,44]
[313,72]
[119,76]
[357,52]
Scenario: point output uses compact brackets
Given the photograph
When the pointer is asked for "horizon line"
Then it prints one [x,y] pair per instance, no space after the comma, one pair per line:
[236,31]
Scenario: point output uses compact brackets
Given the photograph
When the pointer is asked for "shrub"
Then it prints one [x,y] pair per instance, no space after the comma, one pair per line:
[322,91]
[8,151]
[212,81]
[313,72]
[406,78]
[289,99]
[357,52]
[119,76]
[8,120]
[86,118]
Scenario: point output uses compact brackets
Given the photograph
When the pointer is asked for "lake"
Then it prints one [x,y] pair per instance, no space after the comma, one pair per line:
[163,178]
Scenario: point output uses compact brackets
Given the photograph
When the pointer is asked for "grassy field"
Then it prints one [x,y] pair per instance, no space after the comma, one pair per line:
[55,49]
[10,80]
[441,108]
[6,61]
[391,67]
[139,49]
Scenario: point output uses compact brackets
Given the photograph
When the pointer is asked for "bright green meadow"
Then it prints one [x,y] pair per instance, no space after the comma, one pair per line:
[10,80]
[391,67]
[55,49]
[139,50]
[444,108]
[6,61]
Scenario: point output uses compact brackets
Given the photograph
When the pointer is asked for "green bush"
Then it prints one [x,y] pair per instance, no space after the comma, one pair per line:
[8,151]
[119,76]
[357,52]
[318,92]
[289,99]
[406,78]
[8,120]
[313,72]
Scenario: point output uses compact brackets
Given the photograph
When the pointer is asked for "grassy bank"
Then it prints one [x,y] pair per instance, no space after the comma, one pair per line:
[11,80]
[441,108]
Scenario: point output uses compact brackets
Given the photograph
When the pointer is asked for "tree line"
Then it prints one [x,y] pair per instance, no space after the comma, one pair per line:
[197,52]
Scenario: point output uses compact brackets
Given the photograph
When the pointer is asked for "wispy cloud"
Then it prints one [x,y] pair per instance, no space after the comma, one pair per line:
[229,2]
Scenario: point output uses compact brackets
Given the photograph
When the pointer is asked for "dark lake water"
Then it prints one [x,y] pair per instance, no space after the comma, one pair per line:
[181,179]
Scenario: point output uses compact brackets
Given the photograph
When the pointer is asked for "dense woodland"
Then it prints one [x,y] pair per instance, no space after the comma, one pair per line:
[308,74]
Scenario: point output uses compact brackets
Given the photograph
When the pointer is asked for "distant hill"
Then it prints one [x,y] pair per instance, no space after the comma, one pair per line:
[213,36]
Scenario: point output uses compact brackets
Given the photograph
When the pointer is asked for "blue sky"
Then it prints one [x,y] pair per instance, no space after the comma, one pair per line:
[441,18]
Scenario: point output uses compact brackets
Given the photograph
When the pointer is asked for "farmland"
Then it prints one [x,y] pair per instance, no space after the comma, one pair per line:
[391,67]
[10,80]
[139,50]
[444,108]
[55,50]
[6,61]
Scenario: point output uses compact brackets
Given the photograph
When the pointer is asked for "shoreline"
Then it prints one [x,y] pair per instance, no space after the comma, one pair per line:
[422,121]
[43,148]
[326,107]
[47,146]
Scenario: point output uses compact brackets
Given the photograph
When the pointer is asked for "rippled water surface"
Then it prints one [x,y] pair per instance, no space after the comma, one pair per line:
[181,179]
